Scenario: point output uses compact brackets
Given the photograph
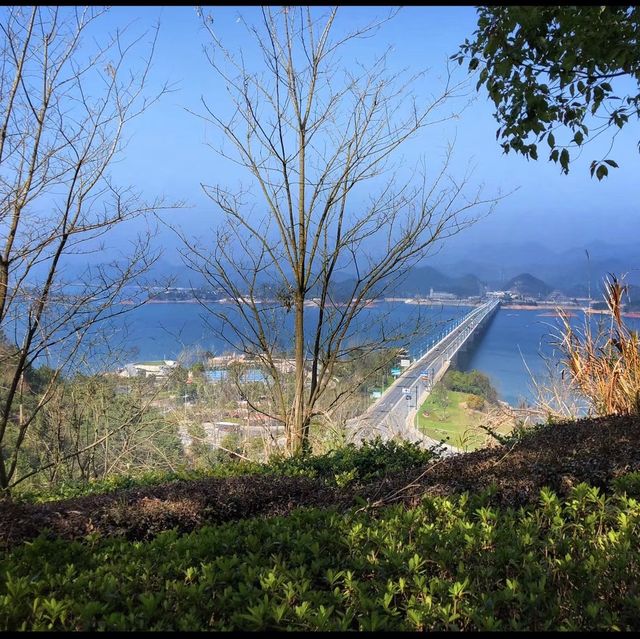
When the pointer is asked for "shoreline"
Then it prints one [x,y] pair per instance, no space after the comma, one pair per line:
[548,310]
[552,311]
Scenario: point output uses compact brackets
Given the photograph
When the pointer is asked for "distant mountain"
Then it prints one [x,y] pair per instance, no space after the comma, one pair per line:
[528,285]
[418,282]
[577,290]
[571,270]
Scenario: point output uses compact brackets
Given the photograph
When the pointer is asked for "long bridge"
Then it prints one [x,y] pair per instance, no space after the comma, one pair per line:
[393,414]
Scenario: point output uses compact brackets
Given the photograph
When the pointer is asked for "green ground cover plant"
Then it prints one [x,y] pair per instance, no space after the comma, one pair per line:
[449,563]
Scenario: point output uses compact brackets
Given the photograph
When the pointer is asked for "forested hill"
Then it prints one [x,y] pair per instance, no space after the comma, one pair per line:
[528,285]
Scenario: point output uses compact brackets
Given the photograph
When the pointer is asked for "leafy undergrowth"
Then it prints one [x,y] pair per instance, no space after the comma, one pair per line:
[373,460]
[502,538]
[448,563]
[558,456]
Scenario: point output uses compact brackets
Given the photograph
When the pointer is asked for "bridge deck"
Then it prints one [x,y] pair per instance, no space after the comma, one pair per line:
[393,414]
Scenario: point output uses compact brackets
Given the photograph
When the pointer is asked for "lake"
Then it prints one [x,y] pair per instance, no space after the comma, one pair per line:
[520,339]
[514,340]
[165,331]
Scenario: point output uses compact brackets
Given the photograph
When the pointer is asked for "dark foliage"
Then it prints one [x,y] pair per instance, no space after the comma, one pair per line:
[558,456]
[550,69]
[473,382]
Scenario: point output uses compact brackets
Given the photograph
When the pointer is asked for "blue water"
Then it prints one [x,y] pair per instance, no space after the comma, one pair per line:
[514,340]
[514,337]
[517,340]
[172,331]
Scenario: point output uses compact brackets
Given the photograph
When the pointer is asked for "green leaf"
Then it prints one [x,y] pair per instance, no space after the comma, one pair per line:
[601,172]
[564,160]
[578,138]
[551,140]
[612,163]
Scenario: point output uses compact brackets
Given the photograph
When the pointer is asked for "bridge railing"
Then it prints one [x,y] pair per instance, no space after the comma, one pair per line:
[468,321]
[439,361]
[465,326]
[469,326]
[440,366]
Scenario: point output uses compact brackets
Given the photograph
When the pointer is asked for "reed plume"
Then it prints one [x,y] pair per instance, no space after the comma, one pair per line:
[604,364]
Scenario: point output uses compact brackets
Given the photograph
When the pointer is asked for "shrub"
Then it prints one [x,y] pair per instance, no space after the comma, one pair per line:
[628,484]
[473,382]
[475,402]
[448,564]
[372,460]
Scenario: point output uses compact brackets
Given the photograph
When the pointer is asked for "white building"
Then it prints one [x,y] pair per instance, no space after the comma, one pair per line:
[159,369]
[438,295]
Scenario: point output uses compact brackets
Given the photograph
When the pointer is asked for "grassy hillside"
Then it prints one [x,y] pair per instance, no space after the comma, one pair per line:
[383,538]
[454,420]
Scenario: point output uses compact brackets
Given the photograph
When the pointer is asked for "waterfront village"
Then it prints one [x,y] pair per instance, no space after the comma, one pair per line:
[224,419]
[222,411]
[522,294]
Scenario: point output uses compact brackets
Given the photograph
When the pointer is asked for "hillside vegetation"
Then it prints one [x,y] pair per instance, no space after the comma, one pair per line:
[381,538]
[460,408]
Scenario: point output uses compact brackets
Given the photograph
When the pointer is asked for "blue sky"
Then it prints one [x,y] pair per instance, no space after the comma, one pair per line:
[167,151]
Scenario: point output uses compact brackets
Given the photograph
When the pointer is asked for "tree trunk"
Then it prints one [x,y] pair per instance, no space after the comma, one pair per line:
[296,443]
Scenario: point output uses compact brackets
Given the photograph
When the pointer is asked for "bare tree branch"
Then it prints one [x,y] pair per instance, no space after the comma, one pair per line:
[317,138]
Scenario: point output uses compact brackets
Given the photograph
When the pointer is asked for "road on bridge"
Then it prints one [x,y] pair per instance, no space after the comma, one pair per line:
[389,416]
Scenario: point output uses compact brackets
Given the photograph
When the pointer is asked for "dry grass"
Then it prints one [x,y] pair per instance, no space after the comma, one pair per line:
[604,364]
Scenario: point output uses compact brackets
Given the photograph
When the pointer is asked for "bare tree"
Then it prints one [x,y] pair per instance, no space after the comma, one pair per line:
[316,140]
[93,427]
[65,103]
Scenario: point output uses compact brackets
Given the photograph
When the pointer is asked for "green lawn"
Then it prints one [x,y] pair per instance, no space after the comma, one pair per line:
[444,416]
